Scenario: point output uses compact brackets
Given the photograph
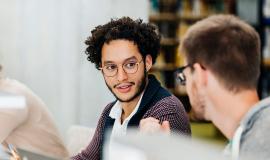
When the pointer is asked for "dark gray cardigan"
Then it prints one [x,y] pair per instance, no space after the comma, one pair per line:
[156,102]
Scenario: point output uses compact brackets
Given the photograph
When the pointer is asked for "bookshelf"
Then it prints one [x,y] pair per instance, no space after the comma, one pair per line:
[173,23]
[264,30]
[173,17]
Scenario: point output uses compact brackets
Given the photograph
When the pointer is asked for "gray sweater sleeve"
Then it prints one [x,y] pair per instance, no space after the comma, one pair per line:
[255,142]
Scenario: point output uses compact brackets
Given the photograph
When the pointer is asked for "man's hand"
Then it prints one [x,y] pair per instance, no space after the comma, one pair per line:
[151,125]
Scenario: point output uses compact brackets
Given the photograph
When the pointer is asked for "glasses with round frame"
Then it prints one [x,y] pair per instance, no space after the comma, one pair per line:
[129,67]
[180,74]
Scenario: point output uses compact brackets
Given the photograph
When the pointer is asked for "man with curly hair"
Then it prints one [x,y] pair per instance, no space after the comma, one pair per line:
[124,51]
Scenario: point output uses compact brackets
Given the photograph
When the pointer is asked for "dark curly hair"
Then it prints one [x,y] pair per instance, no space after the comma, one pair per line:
[144,35]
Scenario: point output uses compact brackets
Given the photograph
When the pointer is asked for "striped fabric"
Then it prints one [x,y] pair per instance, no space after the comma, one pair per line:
[156,102]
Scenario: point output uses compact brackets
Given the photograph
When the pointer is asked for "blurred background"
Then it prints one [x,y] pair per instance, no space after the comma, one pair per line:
[42,45]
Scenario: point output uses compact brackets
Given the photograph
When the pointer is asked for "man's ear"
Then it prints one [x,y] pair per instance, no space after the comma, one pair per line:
[201,77]
[148,62]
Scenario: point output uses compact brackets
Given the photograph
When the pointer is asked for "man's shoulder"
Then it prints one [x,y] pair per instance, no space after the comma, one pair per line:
[164,96]
[255,135]
[254,140]
[15,86]
[160,95]
[12,84]
[262,119]
[264,113]
[258,115]
[164,92]
[170,103]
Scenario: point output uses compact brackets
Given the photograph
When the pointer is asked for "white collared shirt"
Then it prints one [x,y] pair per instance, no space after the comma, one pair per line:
[116,112]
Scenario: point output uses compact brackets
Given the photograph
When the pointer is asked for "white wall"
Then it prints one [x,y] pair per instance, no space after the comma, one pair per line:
[42,45]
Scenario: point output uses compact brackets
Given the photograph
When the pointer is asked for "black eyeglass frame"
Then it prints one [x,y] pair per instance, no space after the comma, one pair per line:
[179,73]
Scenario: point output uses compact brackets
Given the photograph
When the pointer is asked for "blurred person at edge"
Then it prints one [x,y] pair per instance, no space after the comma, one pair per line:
[31,127]
[125,50]
[222,68]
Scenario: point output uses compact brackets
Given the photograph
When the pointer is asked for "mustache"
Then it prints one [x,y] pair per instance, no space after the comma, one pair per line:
[132,83]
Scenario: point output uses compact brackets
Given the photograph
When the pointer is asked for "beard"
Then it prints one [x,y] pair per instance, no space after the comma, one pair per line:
[138,90]
[197,104]
[198,113]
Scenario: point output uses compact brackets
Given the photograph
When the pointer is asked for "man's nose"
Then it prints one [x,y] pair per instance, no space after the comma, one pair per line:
[121,75]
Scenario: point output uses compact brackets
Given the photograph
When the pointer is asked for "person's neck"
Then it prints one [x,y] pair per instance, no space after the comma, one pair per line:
[231,109]
[128,107]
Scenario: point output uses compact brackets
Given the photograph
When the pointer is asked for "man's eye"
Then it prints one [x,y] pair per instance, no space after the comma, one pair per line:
[111,67]
[130,65]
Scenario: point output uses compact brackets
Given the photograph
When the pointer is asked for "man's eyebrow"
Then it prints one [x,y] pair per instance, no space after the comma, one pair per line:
[108,62]
[128,59]
[131,58]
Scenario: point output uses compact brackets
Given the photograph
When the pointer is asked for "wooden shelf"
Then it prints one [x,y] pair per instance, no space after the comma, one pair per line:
[171,26]
[166,67]
[164,17]
[178,93]
[183,97]
[170,41]
[192,18]
[175,17]
[266,62]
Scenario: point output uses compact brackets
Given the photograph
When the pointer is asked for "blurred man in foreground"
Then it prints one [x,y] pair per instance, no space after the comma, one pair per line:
[29,126]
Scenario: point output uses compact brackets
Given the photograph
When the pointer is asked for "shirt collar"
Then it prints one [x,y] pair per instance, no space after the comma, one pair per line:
[116,110]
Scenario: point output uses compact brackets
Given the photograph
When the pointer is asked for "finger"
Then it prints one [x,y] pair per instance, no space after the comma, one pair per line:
[165,127]
[149,126]
[152,119]
[149,119]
